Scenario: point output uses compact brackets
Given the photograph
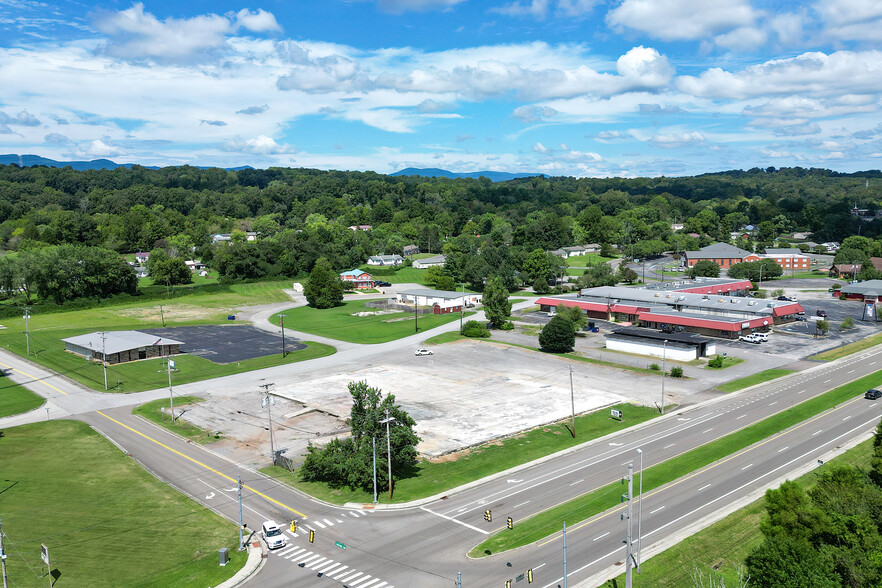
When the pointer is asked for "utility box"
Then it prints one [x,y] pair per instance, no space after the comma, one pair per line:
[223,556]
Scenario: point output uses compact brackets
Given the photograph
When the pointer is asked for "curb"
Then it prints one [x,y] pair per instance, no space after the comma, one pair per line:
[257,553]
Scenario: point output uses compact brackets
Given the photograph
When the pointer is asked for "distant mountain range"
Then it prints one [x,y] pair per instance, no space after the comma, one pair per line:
[26,160]
[431,172]
[434,172]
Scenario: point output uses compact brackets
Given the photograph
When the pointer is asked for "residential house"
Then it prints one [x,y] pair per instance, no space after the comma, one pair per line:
[437,260]
[141,257]
[361,279]
[441,301]
[195,265]
[410,250]
[360,228]
[849,270]
[226,237]
[385,260]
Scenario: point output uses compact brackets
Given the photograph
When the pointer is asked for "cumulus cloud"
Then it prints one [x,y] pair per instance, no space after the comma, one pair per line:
[851,19]
[429,106]
[326,74]
[261,145]
[675,20]
[253,110]
[742,39]
[530,114]
[659,109]
[534,8]
[677,139]
[815,73]
[213,123]
[23,119]
[137,35]
[540,148]
[610,135]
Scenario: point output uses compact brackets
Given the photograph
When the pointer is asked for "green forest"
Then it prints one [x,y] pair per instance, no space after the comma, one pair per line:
[50,216]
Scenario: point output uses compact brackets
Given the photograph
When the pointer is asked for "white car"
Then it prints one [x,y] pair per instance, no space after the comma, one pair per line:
[273,535]
[423,352]
[763,337]
[750,339]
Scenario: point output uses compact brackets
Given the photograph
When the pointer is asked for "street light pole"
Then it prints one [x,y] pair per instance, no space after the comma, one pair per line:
[461,305]
[664,357]
[268,402]
[640,512]
[388,420]
[282,320]
[104,357]
[628,542]
[572,402]
[374,446]
[27,317]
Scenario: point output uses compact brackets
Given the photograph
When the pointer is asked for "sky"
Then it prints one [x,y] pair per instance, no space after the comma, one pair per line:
[562,87]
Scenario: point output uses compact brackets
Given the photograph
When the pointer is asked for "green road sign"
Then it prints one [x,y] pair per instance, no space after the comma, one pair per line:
[340,545]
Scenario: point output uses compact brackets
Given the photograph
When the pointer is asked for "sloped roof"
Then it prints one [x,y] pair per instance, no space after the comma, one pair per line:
[116,341]
[722,250]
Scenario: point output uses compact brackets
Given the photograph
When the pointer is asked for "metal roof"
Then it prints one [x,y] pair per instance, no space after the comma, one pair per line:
[709,302]
[722,250]
[117,341]
[446,294]
[870,287]
[658,335]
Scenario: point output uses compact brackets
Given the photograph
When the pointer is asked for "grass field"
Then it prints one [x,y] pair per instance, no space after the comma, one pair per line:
[448,337]
[608,496]
[726,543]
[753,379]
[586,260]
[153,411]
[850,348]
[15,399]
[106,521]
[401,276]
[476,463]
[727,362]
[340,323]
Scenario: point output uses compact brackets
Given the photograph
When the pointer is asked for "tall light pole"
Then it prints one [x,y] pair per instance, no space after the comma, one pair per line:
[572,402]
[388,420]
[461,305]
[640,512]
[565,554]
[169,364]
[239,492]
[664,357]
[27,317]
[104,356]
[374,446]
[628,543]
[267,403]
[282,320]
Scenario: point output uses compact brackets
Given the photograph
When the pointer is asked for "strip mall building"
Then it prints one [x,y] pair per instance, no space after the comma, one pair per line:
[716,307]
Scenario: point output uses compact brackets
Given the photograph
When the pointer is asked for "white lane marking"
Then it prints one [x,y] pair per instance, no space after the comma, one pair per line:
[741,417]
[668,446]
[513,481]
[209,496]
[327,569]
[827,381]
[874,404]
[372,582]
[616,444]
[309,559]
[317,562]
[816,432]
[577,482]
[747,466]
[773,403]
[295,553]
[872,363]
[521,504]
[846,418]
[850,372]
[231,499]
[360,581]
[703,487]
[784,449]
[707,431]
[601,536]
[352,574]
[473,528]
[801,391]
[285,551]
[656,510]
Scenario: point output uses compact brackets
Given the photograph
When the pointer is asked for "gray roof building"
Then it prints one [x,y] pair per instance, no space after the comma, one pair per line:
[868,288]
[718,250]
[121,346]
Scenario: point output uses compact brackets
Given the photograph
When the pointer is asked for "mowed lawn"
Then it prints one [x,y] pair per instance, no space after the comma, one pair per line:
[586,260]
[15,399]
[203,306]
[343,324]
[401,276]
[106,521]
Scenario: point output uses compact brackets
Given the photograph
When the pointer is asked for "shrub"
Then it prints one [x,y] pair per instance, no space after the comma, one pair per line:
[558,336]
[654,367]
[847,323]
[475,329]
[676,372]
[507,326]
[716,362]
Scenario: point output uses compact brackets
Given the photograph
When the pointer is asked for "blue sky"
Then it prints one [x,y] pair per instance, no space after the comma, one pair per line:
[562,87]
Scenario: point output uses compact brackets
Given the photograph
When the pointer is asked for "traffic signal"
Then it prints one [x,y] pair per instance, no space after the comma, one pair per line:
[510,523]
[487,516]
[293,526]
[311,535]
[530,576]
[508,584]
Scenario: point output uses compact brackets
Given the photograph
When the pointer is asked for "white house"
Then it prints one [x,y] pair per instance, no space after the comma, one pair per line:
[445,299]
[385,260]
[430,261]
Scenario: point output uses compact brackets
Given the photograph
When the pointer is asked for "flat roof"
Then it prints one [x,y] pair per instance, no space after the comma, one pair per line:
[867,288]
[684,299]
[658,335]
[117,341]
[428,293]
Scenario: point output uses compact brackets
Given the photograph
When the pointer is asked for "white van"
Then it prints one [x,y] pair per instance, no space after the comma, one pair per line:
[273,535]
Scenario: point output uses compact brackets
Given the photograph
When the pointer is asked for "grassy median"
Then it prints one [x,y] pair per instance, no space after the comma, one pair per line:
[848,349]
[752,380]
[15,399]
[605,497]
[106,521]
[436,476]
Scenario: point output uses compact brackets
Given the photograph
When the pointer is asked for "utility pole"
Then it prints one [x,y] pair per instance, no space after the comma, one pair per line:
[640,512]
[267,403]
[461,306]
[664,357]
[458,579]
[416,314]
[565,554]
[3,557]
[169,364]
[27,318]
[104,356]
[239,489]
[572,402]
[161,315]
[282,320]
[374,444]
[388,420]
[628,543]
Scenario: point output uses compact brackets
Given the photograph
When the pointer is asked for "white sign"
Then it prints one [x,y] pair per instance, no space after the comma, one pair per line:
[616,414]
[171,364]
[44,554]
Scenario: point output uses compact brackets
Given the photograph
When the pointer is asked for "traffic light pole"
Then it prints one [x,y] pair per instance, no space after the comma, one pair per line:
[565,554]
[239,489]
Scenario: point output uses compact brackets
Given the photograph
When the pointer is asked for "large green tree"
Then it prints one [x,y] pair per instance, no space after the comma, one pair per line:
[165,269]
[497,307]
[348,462]
[559,335]
[704,268]
[324,289]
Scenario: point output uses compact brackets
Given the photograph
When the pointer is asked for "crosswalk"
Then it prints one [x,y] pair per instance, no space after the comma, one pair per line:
[324,566]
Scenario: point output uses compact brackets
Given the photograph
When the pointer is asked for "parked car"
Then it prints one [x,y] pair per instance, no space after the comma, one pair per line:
[423,352]
[382,284]
[873,394]
[749,339]
[763,337]
[821,313]
[801,317]
[273,535]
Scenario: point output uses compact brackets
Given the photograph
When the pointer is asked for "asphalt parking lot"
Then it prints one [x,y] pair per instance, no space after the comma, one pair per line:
[227,344]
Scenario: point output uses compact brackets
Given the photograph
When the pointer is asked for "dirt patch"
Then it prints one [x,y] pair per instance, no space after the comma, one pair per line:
[171,312]
[375,313]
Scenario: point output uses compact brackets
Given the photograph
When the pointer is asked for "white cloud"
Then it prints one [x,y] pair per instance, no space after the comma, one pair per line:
[815,73]
[260,145]
[672,20]
[742,39]
[429,106]
[536,8]
[253,110]
[646,67]
[258,21]
[540,148]
[23,118]
[530,114]
[677,139]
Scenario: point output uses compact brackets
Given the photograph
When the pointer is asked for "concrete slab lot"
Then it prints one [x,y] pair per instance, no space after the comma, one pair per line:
[227,344]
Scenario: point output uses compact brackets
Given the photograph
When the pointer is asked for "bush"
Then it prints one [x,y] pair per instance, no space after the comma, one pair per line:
[848,323]
[475,329]
[558,336]
[507,326]
[654,367]
[676,372]
[716,362]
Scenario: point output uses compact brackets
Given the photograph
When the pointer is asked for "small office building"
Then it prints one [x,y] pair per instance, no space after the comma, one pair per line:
[678,346]
[121,346]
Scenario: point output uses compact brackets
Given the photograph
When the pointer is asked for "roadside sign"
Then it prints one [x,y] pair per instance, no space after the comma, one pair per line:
[171,364]
[614,413]
[340,545]
[44,554]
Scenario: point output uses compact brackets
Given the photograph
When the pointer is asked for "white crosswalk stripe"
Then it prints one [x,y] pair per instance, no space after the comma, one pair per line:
[352,577]
[309,559]
[339,572]
[318,524]
[359,582]
[327,568]
[375,580]
[328,523]
[313,565]
[330,568]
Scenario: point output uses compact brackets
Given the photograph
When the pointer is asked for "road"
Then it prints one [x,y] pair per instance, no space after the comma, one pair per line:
[426,545]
